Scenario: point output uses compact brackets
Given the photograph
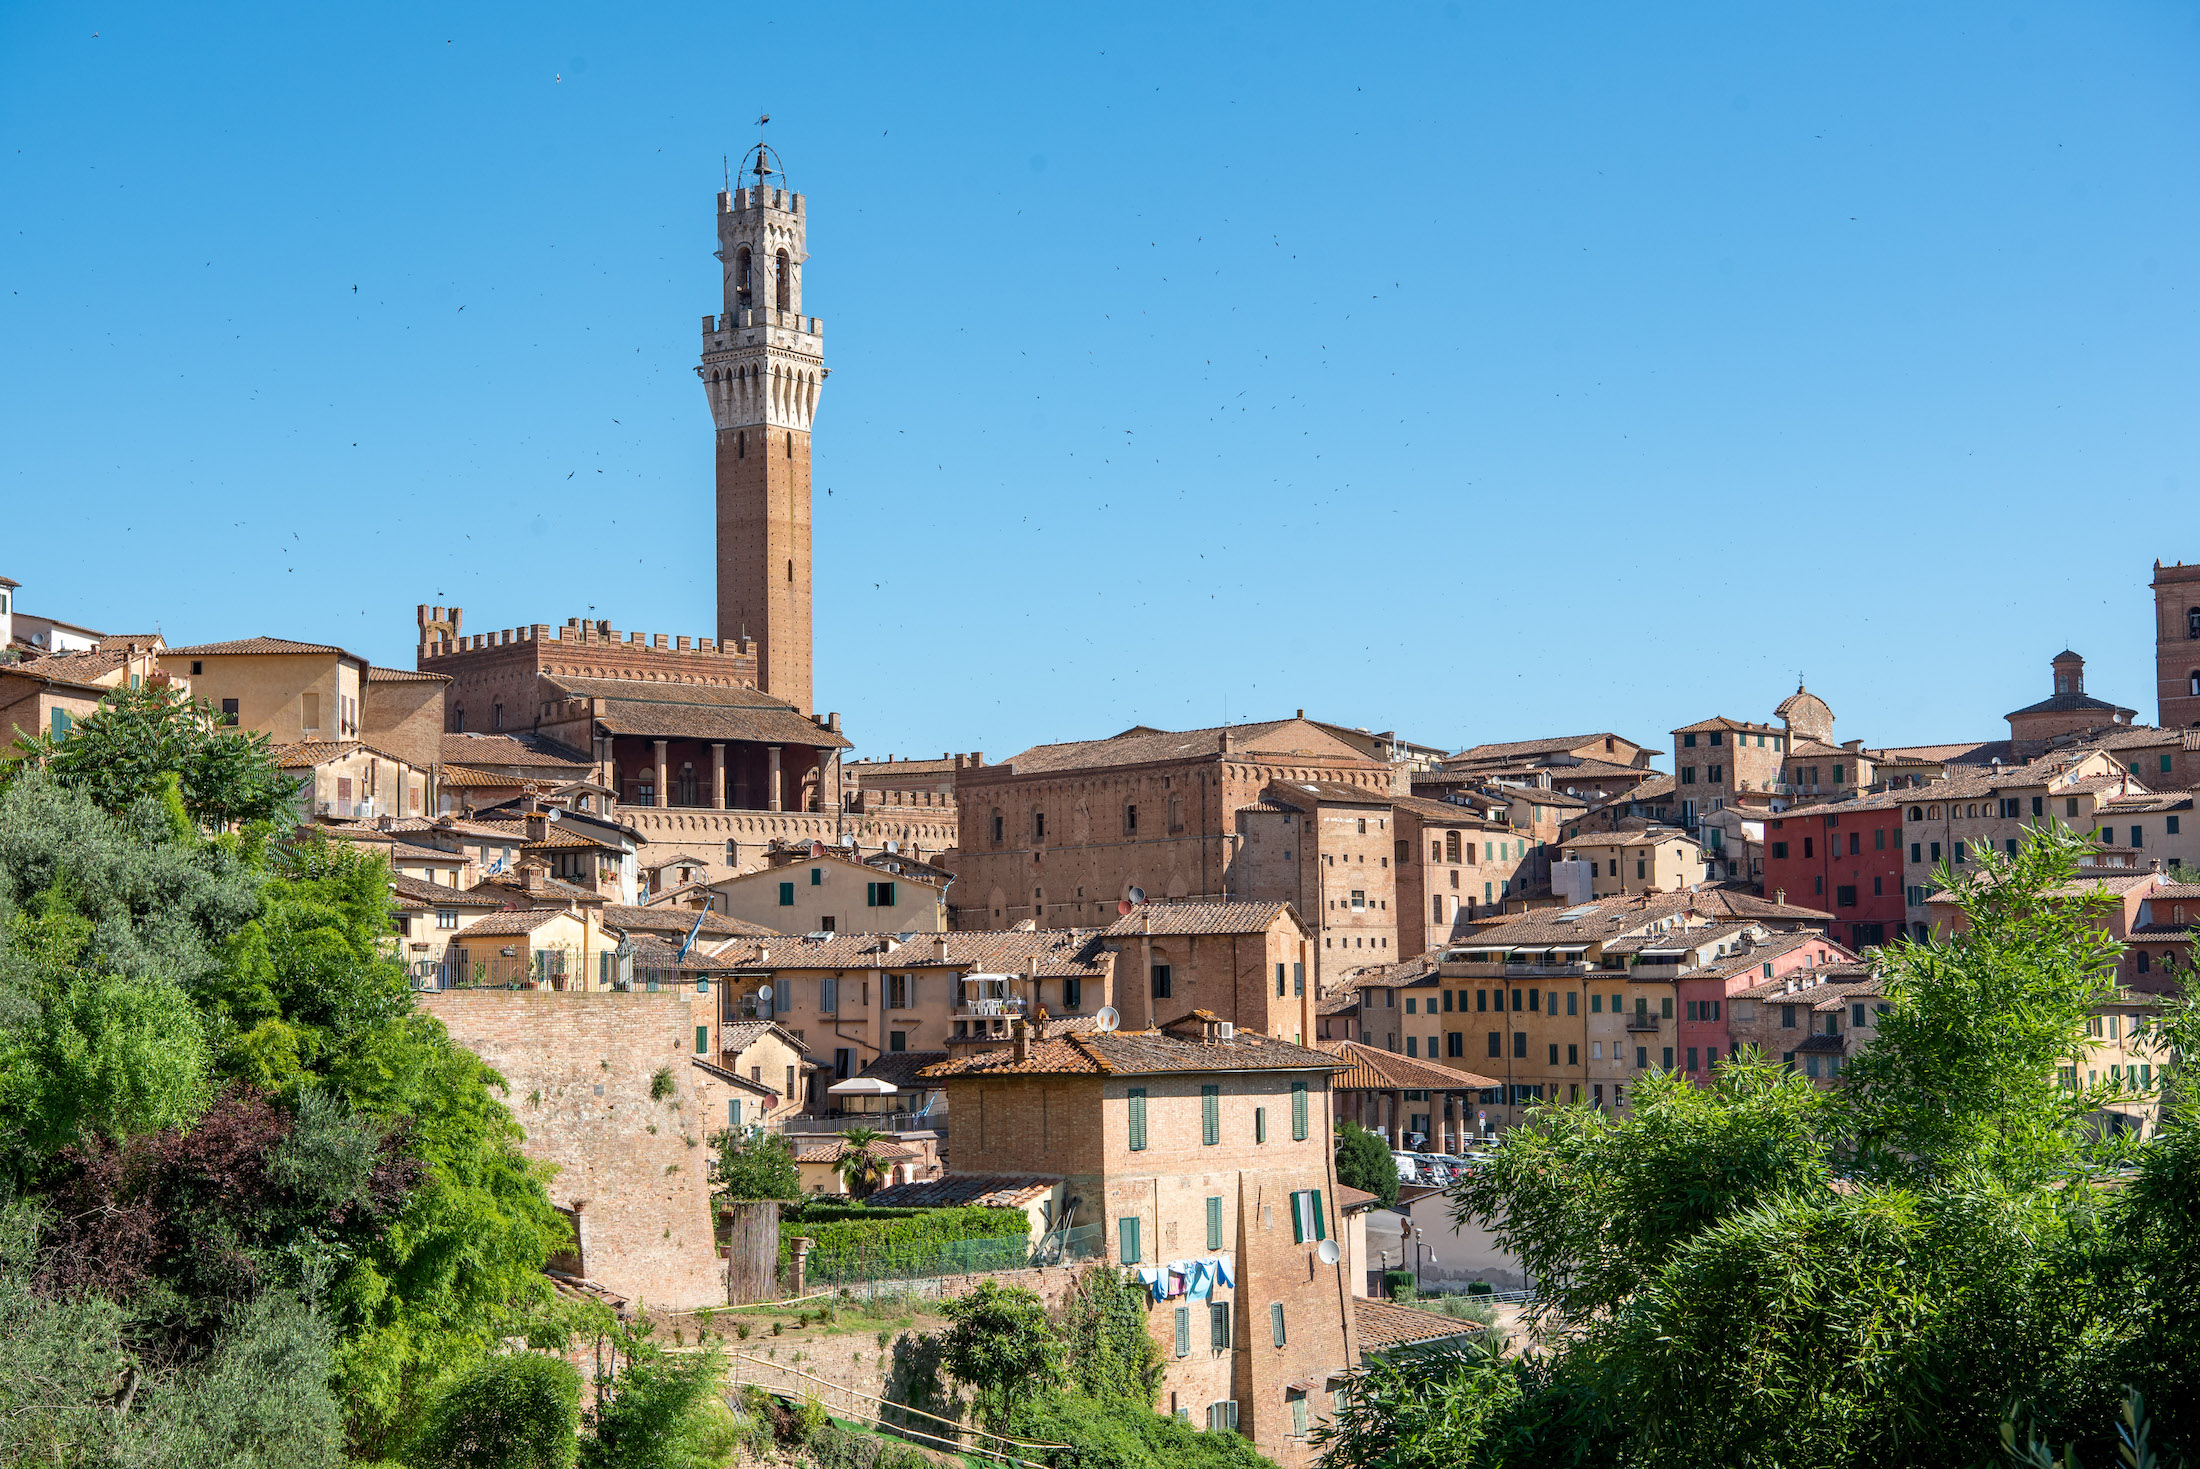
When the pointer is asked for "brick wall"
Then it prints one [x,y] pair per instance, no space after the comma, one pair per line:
[632,1169]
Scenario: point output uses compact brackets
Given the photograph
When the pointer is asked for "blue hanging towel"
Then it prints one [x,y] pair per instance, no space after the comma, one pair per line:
[1222,1273]
[1202,1279]
[1154,1281]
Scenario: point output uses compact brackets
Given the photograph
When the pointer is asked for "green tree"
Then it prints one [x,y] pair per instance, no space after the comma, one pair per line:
[510,1411]
[1963,1075]
[658,1414]
[860,1167]
[1111,1354]
[1000,1345]
[754,1165]
[141,739]
[1364,1162]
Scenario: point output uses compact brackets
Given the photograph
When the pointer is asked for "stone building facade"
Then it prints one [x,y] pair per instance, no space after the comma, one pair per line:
[1190,1149]
[633,1168]
[2177,646]
[1059,834]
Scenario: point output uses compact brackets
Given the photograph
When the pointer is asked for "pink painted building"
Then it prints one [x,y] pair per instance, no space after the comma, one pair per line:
[1705,992]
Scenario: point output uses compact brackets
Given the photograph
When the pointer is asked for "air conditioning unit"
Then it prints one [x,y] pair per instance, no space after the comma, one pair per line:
[1226,1031]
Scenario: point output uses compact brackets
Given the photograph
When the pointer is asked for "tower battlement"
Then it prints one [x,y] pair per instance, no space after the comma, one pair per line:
[440,638]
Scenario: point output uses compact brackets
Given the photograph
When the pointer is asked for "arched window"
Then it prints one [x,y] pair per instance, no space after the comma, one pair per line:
[2144,961]
[741,275]
[458,719]
[496,715]
[2192,622]
[1917,813]
[784,287]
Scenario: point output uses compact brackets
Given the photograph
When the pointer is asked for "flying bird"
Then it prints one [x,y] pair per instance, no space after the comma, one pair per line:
[767,117]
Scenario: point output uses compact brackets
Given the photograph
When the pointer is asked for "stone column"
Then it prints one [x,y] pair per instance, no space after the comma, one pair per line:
[772,786]
[718,777]
[664,793]
[1397,1120]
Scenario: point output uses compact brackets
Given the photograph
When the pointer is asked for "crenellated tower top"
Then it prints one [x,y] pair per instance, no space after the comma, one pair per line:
[763,360]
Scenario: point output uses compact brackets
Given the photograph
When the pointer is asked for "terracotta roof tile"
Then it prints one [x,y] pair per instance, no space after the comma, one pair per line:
[437,894]
[1144,745]
[690,711]
[635,919]
[979,1190]
[513,749]
[1371,1068]
[237,646]
[1514,749]
[403,675]
[1385,1326]
[509,921]
[1055,952]
[1200,917]
[1137,1053]
[834,1150]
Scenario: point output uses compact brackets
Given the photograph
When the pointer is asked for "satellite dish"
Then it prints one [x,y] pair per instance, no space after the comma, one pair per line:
[817,849]
[1138,895]
[764,994]
[1123,906]
[1107,1019]
[1328,1252]
[892,847]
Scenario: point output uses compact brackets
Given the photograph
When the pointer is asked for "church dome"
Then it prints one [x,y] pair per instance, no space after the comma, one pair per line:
[1806,715]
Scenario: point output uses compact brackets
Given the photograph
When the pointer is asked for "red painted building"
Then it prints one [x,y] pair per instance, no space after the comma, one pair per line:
[1705,992]
[1846,858]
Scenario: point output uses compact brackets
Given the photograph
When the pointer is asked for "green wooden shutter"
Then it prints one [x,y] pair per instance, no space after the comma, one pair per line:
[786,895]
[1275,1321]
[1218,1325]
[1214,1222]
[1321,1220]
[1260,1124]
[1184,1331]
[1298,1111]
[1138,1119]
[1210,1115]
[1298,1219]
[702,1039]
[1126,1230]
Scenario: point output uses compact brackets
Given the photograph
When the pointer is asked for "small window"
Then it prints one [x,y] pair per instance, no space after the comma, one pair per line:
[1210,1115]
[786,895]
[1137,1101]
[1161,981]
[1218,1326]
[1126,1237]
[1214,1222]
[1184,1331]
[1275,1321]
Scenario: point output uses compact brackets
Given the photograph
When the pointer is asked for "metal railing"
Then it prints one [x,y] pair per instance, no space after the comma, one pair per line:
[1643,1021]
[806,1125]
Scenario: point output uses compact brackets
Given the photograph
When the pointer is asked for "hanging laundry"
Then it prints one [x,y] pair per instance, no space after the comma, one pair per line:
[1222,1273]
[1155,1281]
[1202,1279]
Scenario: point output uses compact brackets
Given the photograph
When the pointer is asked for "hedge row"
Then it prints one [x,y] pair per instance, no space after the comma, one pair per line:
[900,1241]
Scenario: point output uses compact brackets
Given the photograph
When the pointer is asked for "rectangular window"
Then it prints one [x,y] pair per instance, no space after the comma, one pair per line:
[1879,839]
[2172,826]
[1779,851]
[1455,1044]
[1413,1044]
[828,996]
[1218,1325]
[1126,1235]
[1298,1111]
[1691,1058]
[1073,993]
[1260,1124]
[1596,1003]
[1214,1222]
[1572,1000]
[1222,1417]
[1299,1423]
[1279,981]
[2138,836]
[1298,977]
[1554,1053]
[1210,1115]
[1642,1058]
[817,877]
[702,1040]
[1688,775]
[1138,1119]
[1275,1321]
[1184,1331]
[1520,1045]
[1496,1046]
[786,895]
[1307,1221]
[1161,981]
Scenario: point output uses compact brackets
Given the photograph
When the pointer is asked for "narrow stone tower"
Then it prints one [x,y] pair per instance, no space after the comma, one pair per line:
[763,363]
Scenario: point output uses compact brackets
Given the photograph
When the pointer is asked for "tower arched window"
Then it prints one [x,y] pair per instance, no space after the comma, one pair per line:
[458,719]
[496,715]
[2192,622]
[741,274]
[2192,682]
[784,286]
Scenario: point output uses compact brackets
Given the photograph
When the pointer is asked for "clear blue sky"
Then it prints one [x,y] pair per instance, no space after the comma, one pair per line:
[1476,371]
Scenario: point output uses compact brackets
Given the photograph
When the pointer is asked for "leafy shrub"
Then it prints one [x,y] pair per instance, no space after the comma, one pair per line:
[1364,1162]
[1398,1282]
[1120,1434]
[1111,1353]
[507,1412]
[883,1241]
[1001,1346]
[830,1447]
[657,1412]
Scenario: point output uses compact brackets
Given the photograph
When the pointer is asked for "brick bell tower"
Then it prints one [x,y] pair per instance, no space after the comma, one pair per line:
[763,364]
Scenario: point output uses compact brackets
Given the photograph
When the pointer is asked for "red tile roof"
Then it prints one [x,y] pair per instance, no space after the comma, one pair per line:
[1371,1068]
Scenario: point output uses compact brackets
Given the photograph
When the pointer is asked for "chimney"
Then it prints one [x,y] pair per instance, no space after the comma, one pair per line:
[1225,739]
[1023,1038]
[532,876]
[1780,896]
[939,948]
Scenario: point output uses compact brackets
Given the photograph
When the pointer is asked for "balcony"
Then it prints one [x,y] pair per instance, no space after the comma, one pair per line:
[1644,1021]
[805,1125]
[1545,971]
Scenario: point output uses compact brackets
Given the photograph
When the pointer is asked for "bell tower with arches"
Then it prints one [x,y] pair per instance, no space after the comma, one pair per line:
[763,366]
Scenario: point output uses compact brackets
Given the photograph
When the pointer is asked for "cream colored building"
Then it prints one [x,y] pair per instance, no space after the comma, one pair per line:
[346,780]
[286,690]
[830,893]
[1655,859]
